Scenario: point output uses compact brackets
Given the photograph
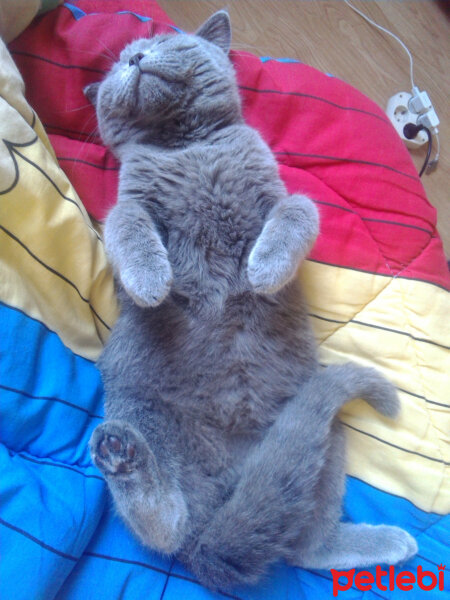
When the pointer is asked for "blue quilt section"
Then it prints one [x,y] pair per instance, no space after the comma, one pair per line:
[62,537]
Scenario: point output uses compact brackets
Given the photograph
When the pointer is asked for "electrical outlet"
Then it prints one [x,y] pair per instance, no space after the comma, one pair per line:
[399,113]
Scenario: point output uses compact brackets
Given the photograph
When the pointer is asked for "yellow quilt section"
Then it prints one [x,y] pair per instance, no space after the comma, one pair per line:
[52,261]
[401,327]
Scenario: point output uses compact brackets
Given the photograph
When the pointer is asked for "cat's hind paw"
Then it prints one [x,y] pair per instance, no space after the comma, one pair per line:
[397,544]
[116,449]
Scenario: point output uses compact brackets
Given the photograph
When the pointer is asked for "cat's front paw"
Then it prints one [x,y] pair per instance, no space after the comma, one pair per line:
[148,285]
[269,269]
[283,243]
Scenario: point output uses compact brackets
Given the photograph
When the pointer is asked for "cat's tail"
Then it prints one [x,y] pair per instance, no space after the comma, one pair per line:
[275,499]
[336,385]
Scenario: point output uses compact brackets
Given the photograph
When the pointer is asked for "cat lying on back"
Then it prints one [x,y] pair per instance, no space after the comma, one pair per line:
[221,443]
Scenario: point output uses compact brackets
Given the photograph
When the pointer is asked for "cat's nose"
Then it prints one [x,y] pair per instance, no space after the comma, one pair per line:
[136,59]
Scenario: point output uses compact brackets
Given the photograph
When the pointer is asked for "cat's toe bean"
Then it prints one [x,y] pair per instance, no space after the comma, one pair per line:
[114,443]
[113,449]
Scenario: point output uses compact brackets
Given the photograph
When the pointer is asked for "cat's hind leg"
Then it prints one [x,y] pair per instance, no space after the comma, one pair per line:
[327,543]
[272,503]
[279,502]
[152,506]
[361,545]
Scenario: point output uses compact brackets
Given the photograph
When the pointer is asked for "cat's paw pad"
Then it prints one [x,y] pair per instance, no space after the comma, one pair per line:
[150,284]
[115,449]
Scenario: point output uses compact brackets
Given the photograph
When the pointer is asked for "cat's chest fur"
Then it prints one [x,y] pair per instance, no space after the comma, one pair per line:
[215,350]
[215,194]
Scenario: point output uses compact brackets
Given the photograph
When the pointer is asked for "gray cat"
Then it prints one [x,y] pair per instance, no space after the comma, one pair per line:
[221,444]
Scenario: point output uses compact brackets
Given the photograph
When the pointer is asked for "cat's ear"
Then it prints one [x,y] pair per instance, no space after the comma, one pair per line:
[217,30]
[91,92]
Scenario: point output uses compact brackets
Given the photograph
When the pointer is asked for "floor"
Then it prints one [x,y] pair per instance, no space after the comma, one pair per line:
[367,59]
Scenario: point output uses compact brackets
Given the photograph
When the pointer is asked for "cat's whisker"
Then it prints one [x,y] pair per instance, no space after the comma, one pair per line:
[110,58]
[83,107]
[110,54]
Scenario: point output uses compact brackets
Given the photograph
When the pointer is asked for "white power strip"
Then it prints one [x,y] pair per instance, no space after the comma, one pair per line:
[415,108]
[410,109]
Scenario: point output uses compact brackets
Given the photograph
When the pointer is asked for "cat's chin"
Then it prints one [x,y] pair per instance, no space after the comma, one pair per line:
[152,97]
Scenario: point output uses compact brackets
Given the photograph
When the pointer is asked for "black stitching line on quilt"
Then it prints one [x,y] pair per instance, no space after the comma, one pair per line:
[9,146]
[85,162]
[38,541]
[51,399]
[312,97]
[125,561]
[63,277]
[380,327]
[39,461]
[12,148]
[423,398]
[357,270]
[396,223]
[428,526]
[80,133]
[167,579]
[348,160]
[356,313]
[57,64]
[156,569]
[386,259]
[350,210]
[413,337]
[8,306]
[395,445]
[324,365]
[432,561]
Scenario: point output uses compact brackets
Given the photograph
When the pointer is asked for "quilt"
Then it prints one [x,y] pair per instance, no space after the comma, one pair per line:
[376,282]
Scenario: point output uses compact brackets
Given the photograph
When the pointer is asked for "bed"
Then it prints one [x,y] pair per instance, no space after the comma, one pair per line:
[376,282]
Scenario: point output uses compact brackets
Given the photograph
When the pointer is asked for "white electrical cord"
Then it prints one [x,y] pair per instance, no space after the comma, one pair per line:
[414,90]
[432,165]
[436,158]
[392,35]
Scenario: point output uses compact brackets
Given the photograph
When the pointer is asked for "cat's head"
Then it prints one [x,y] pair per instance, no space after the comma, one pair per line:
[169,86]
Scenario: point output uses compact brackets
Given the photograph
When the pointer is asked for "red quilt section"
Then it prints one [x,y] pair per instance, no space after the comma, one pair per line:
[331,141]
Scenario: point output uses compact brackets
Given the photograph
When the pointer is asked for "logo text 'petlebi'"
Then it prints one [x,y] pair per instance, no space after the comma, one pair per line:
[388,580]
